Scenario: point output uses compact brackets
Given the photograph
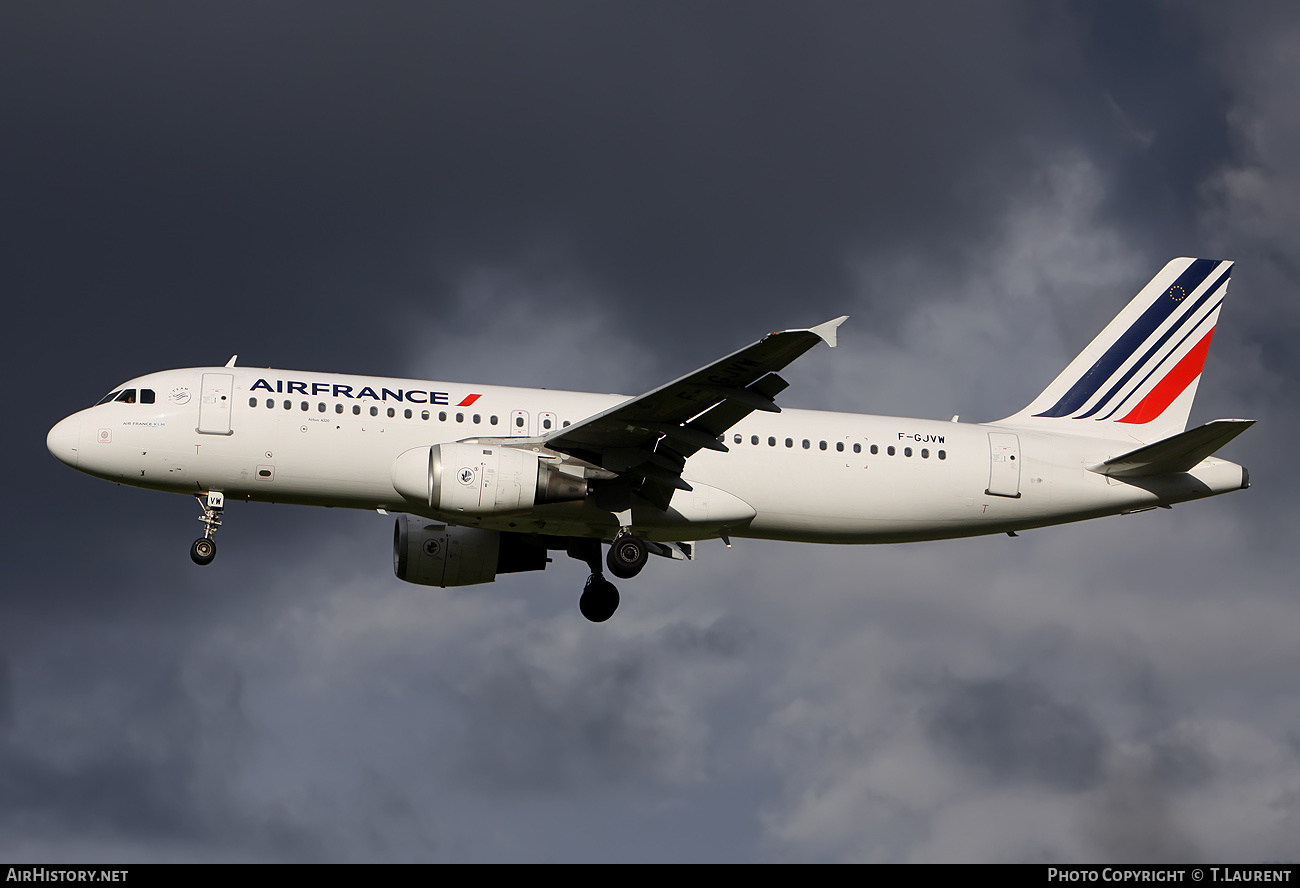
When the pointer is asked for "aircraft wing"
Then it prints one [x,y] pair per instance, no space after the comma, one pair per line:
[653,434]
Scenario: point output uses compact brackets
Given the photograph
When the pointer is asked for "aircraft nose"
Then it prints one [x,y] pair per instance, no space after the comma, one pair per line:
[64,439]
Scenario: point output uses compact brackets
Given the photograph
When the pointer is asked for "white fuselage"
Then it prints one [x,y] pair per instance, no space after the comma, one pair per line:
[331,440]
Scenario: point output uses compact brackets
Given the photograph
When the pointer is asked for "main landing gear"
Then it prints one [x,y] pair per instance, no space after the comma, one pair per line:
[204,548]
[599,599]
[627,555]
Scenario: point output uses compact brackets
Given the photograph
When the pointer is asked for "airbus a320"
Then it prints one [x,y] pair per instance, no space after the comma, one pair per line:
[488,480]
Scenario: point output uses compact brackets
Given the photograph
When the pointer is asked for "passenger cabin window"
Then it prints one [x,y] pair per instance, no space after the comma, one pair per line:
[789,442]
[857,448]
[874,449]
[519,422]
[821,445]
[252,402]
[943,454]
[270,402]
[338,408]
[738,439]
[356,409]
[392,412]
[288,405]
[320,408]
[493,419]
[890,450]
[374,411]
[754,440]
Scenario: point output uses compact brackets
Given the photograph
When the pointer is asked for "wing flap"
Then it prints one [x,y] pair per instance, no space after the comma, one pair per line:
[1178,453]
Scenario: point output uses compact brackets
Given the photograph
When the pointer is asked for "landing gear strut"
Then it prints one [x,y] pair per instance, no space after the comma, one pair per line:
[204,548]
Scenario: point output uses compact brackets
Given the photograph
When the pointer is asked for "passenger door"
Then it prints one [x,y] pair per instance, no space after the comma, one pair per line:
[1004,465]
[214,403]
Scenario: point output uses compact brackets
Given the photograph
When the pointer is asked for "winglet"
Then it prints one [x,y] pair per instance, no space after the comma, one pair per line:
[827,330]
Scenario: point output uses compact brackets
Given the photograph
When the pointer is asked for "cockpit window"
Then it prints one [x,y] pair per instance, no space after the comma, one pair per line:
[146,396]
[110,396]
[127,396]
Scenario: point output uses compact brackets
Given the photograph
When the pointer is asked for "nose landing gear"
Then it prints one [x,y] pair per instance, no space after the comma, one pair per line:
[204,548]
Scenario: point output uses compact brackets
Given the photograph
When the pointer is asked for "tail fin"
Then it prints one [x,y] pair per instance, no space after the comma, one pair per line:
[1138,377]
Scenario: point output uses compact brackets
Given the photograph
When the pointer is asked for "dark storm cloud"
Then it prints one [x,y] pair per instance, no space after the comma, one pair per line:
[6,693]
[612,721]
[597,196]
[1014,730]
[113,748]
[1134,815]
[280,163]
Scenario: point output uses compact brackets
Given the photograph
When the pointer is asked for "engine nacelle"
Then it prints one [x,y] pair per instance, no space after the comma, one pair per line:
[481,479]
[431,554]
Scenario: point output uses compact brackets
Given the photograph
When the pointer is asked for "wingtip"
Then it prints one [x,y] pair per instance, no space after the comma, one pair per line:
[827,330]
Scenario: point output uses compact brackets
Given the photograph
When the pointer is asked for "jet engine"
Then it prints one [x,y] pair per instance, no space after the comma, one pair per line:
[431,554]
[482,479]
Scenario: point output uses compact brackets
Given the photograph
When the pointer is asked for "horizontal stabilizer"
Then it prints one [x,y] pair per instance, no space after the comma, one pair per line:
[1175,454]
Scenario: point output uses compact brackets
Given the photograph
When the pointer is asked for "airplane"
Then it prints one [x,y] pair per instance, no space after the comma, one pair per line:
[487,480]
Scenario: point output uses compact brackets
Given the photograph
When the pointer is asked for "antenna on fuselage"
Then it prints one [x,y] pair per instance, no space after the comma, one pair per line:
[231,362]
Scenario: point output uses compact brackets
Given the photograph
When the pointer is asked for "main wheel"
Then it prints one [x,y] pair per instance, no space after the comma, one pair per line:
[627,555]
[203,550]
[599,600]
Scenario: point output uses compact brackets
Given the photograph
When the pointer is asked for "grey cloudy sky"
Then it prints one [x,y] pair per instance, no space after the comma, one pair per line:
[603,196]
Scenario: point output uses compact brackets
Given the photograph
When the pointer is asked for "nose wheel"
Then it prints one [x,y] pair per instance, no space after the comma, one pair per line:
[204,549]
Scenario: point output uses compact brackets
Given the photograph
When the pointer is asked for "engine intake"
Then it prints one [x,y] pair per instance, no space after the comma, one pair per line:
[481,479]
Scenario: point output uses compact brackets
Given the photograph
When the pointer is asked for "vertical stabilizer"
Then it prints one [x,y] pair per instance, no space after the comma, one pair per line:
[1138,378]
